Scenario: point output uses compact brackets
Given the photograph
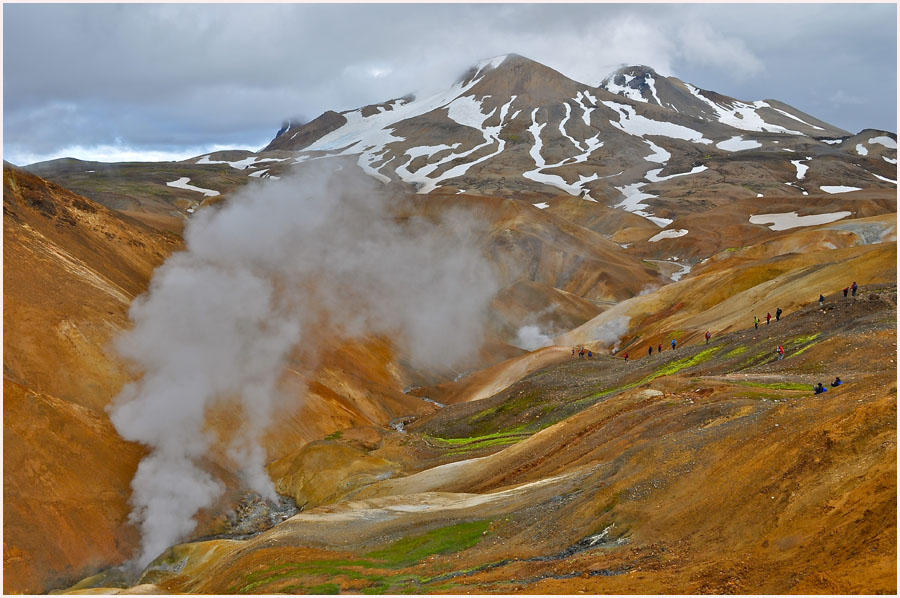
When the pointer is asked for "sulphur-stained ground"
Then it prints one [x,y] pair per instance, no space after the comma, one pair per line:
[707,469]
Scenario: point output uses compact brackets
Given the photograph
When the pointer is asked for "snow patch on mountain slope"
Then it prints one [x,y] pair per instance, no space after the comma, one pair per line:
[653,175]
[889,160]
[801,168]
[789,115]
[668,234]
[884,140]
[832,141]
[861,150]
[659,154]
[885,179]
[633,124]
[182,183]
[786,220]
[738,143]
[577,188]
[239,164]
[633,203]
[741,115]
[838,188]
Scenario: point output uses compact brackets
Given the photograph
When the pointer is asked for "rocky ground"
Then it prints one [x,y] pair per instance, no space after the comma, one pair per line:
[707,469]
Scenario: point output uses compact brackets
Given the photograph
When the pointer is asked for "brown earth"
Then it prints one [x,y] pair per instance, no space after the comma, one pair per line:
[721,477]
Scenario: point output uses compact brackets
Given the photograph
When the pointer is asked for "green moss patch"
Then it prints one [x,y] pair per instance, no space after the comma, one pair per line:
[402,553]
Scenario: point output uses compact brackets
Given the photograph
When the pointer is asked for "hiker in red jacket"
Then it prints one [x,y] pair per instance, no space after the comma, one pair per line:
[768,318]
[659,348]
[780,352]
[707,336]
[626,357]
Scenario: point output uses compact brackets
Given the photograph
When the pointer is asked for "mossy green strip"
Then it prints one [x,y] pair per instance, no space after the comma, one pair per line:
[775,385]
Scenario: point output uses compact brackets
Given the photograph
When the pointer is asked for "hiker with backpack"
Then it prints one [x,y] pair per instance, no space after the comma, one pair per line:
[651,351]
[777,314]
[819,389]
[837,382]
[674,343]
[707,336]
[768,318]
[780,351]
[853,288]
[755,322]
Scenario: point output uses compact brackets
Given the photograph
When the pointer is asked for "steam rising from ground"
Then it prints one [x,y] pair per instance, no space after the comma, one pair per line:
[282,263]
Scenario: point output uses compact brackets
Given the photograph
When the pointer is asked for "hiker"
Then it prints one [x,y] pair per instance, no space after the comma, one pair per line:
[780,351]
[845,291]
[777,314]
[707,336]
[590,353]
[755,322]
[819,389]
[651,350]
[837,382]
[626,357]
[573,351]
[674,342]
[659,348]
[821,300]
[581,353]
[853,288]
[768,318]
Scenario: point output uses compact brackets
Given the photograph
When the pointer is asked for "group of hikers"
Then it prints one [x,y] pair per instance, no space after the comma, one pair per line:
[659,348]
[852,289]
[819,388]
[778,313]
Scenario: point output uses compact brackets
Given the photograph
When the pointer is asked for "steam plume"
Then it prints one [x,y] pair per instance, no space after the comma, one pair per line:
[282,262]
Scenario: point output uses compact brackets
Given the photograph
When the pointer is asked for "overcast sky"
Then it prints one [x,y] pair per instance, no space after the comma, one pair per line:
[116,82]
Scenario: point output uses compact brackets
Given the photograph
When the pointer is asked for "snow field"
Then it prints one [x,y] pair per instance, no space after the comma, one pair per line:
[884,140]
[789,220]
[838,188]
[801,168]
[861,150]
[182,183]
[741,115]
[668,234]
[738,143]
[633,124]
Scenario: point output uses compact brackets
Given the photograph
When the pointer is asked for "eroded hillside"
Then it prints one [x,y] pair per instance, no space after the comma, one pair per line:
[707,469]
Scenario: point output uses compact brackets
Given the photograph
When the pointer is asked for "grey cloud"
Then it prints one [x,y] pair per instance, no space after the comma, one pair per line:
[218,71]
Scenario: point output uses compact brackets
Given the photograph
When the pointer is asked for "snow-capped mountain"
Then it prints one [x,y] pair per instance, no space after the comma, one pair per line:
[638,141]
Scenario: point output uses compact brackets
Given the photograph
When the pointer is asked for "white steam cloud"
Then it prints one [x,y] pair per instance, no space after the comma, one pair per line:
[283,263]
[530,337]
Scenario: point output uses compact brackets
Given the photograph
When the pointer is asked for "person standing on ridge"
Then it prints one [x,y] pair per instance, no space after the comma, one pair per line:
[651,351]
[674,342]
[777,314]
[821,300]
[755,322]
[707,336]
[768,318]
[853,288]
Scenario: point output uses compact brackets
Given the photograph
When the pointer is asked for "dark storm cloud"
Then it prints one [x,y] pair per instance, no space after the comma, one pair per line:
[181,77]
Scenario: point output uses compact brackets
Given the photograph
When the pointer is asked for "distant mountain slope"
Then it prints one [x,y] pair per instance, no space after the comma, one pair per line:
[513,126]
